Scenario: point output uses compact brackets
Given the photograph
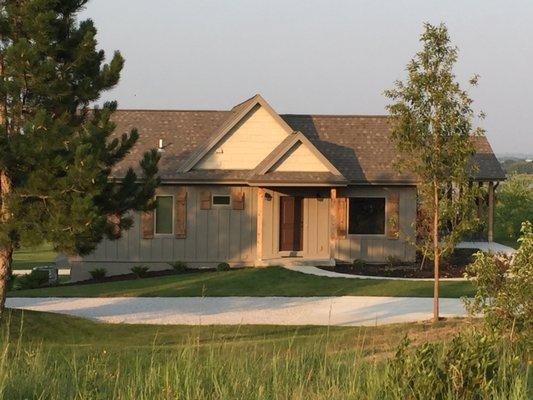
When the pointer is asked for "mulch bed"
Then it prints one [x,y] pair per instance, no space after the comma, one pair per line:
[131,276]
[451,267]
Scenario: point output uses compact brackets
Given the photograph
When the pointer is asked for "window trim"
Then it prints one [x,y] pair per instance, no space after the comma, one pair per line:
[374,235]
[172,216]
[221,205]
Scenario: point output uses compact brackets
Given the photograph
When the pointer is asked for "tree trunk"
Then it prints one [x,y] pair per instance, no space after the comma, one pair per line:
[436,253]
[6,250]
[6,254]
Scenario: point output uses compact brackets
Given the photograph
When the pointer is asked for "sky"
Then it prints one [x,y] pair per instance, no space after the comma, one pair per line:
[316,57]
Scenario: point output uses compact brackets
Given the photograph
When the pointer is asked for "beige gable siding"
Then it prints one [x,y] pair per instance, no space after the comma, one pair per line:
[300,158]
[247,144]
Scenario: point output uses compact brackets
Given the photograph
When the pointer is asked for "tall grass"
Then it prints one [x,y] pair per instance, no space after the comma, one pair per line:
[220,370]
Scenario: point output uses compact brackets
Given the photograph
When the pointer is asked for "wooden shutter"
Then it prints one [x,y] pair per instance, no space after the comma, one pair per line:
[341,211]
[180,218]
[205,200]
[114,221]
[147,224]
[237,199]
[393,216]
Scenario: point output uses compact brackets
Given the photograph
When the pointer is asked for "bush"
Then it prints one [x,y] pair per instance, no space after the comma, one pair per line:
[393,261]
[473,365]
[140,271]
[179,266]
[503,286]
[33,280]
[98,273]
[357,265]
[224,266]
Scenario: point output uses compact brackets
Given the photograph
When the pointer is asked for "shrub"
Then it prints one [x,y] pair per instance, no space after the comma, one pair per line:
[473,365]
[357,265]
[179,266]
[393,261]
[98,273]
[503,287]
[32,280]
[224,266]
[140,271]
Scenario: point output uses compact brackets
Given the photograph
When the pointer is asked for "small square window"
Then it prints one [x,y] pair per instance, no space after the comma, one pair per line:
[221,200]
[163,215]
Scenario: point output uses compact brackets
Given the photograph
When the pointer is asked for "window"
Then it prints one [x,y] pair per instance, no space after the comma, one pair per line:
[163,215]
[219,200]
[366,216]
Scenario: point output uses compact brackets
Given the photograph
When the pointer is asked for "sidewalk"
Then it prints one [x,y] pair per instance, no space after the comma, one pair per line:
[341,311]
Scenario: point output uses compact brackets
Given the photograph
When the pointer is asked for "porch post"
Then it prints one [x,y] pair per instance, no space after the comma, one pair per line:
[259,236]
[491,212]
[333,222]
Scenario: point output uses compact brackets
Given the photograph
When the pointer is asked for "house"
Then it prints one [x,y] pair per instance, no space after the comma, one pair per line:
[254,188]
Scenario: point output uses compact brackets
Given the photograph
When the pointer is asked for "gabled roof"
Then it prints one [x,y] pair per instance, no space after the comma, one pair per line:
[357,147]
[237,114]
[285,146]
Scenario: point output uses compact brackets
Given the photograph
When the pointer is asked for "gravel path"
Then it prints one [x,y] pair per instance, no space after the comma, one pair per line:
[345,310]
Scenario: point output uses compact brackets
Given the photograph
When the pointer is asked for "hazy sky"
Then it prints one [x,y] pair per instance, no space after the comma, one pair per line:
[323,57]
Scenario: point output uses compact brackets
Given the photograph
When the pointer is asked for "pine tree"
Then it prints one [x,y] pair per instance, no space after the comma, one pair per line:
[56,153]
[432,126]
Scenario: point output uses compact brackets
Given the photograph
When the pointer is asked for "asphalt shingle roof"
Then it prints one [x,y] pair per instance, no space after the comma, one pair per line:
[358,146]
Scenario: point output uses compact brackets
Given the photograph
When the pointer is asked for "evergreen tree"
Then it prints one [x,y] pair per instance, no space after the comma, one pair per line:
[432,126]
[57,154]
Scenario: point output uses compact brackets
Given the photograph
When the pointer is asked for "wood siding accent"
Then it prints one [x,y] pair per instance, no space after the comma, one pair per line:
[342,225]
[180,224]
[237,199]
[300,158]
[247,144]
[205,200]
[392,213]
[259,230]
[147,224]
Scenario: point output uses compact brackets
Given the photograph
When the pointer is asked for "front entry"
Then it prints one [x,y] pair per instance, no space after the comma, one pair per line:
[290,223]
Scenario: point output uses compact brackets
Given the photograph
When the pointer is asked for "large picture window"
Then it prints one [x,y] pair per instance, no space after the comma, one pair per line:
[163,215]
[366,216]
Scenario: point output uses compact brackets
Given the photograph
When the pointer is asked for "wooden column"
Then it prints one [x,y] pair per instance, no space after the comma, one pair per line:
[259,242]
[491,212]
[333,222]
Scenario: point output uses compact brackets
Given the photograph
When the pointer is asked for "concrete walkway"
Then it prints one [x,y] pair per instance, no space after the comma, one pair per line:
[491,247]
[345,310]
[331,274]
[60,271]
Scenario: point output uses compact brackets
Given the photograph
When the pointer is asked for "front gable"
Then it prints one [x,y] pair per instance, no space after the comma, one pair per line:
[299,158]
[247,143]
[252,132]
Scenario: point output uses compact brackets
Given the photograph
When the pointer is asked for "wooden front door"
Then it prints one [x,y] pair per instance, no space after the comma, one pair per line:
[290,223]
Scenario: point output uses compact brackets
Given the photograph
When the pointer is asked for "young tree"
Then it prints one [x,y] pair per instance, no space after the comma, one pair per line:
[56,154]
[432,126]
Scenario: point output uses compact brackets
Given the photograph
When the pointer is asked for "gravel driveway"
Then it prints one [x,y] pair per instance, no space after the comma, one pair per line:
[345,310]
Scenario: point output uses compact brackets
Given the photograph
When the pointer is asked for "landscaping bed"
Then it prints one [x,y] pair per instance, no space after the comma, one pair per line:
[452,266]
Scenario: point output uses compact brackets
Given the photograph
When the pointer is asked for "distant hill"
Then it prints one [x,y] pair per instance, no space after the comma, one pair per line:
[519,166]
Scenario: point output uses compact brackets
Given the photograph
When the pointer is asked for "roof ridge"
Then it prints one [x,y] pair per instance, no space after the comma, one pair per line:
[338,115]
[168,110]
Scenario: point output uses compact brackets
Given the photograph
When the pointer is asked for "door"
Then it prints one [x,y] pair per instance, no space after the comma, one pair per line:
[290,223]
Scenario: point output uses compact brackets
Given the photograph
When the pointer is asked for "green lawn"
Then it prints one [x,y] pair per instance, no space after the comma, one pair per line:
[58,357]
[27,258]
[273,281]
